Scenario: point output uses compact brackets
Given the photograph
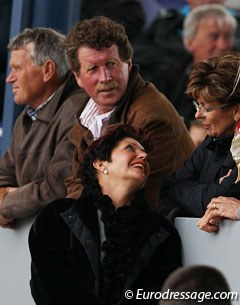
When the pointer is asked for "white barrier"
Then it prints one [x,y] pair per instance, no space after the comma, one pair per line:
[15,265]
[221,250]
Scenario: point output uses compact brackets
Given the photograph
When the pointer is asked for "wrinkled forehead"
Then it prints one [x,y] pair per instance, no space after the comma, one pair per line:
[194,3]
[222,22]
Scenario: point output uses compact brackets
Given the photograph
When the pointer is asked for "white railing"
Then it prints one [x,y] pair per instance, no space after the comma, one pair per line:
[15,265]
[221,250]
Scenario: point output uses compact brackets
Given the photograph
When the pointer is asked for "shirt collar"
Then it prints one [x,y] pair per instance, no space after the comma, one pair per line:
[32,113]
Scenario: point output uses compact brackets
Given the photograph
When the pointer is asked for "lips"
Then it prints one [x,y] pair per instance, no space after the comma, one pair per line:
[139,165]
[106,89]
[14,90]
[205,126]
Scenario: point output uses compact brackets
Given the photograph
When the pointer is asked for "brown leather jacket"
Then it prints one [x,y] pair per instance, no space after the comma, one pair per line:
[162,132]
[39,157]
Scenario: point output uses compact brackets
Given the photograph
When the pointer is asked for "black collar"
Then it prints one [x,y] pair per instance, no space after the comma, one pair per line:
[220,144]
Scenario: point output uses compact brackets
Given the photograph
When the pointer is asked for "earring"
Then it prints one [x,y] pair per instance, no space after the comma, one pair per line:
[105,172]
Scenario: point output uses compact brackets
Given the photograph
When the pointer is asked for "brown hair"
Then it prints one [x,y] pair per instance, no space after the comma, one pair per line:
[216,79]
[98,32]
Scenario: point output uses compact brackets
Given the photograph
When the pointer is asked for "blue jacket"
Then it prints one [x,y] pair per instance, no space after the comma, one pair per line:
[197,182]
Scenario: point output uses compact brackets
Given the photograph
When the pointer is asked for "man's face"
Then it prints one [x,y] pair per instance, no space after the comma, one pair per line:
[212,37]
[103,75]
[26,78]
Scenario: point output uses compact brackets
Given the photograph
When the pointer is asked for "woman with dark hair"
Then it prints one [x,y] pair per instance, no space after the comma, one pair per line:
[95,249]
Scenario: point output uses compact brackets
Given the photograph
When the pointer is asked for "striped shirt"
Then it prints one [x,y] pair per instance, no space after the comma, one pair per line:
[94,121]
[34,112]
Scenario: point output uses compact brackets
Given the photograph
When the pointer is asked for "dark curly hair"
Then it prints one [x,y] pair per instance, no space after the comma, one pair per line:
[98,32]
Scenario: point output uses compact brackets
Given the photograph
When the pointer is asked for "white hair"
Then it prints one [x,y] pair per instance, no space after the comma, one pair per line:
[215,11]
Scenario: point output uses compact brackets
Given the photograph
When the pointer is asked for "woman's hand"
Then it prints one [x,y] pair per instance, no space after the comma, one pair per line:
[218,209]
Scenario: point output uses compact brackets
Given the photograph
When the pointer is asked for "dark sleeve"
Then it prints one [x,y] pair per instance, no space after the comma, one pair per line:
[54,280]
[194,184]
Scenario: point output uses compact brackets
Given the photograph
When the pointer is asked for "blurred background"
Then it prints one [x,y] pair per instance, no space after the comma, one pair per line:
[137,15]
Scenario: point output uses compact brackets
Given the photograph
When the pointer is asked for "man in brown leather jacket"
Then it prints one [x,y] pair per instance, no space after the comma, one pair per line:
[100,56]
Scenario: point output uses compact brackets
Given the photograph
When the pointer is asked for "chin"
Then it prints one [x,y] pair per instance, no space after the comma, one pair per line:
[140,184]
[18,102]
[211,134]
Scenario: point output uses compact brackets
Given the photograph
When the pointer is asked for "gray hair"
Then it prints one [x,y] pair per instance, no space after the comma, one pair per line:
[215,11]
[47,44]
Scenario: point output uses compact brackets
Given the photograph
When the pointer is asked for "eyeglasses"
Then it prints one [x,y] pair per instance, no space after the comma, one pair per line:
[209,109]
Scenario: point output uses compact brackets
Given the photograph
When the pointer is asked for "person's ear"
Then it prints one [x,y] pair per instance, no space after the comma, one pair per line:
[78,78]
[189,43]
[100,166]
[129,64]
[237,113]
[49,69]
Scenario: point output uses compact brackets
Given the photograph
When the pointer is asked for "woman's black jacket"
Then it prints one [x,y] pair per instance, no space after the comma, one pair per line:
[65,248]
[198,181]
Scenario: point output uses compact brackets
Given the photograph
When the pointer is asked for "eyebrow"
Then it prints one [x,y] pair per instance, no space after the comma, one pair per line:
[135,145]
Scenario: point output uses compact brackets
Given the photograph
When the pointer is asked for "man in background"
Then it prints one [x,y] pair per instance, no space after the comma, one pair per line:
[207,30]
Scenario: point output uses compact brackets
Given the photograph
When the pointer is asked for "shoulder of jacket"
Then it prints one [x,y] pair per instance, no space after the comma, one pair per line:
[74,101]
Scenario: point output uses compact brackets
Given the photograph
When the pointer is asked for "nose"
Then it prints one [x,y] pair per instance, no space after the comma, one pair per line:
[10,78]
[142,155]
[104,75]
[199,114]
[224,44]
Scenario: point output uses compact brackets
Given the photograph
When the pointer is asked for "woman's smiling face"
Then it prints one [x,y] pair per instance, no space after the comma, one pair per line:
[129,162]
